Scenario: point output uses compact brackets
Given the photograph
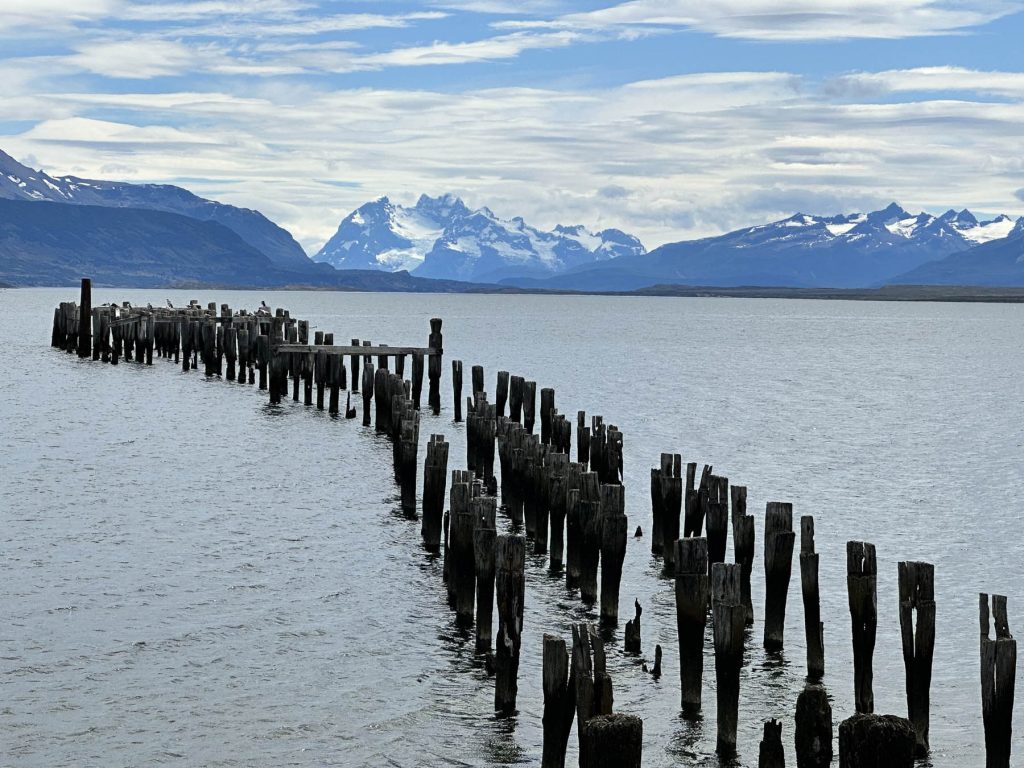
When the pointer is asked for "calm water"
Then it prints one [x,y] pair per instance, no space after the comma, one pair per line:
[191,577]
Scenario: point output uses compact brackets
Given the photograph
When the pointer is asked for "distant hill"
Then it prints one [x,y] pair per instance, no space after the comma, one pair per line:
[842,251]
[19,182]
[440,237]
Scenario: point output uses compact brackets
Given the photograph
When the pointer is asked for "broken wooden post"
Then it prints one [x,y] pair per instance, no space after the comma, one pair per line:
[501,392]
[367,387]
[632,642]
[484,539]
[477,378]
[917,596]
[417,378]
[559,702]
[547,408]
[515,398]
[778,560]
[612,741]
[743,545]
[435,477]
[85,319]
[457,388]
[582,440]
[814,630]
[614,532]
[590,548]
[861,571]
[876,741]
[729,620]
[510,558]
[434,365]
[462,568]
[692,593]
[813,733]
[671,506]
[529,405]
[998,676]
[717,515]
[558,464]
[770,754]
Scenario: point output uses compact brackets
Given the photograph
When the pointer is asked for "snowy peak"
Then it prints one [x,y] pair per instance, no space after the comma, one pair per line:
[442,237]
[19,182]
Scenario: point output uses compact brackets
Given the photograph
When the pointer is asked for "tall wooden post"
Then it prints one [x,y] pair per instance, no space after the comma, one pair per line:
[559,702]
[917,596]
[85,319]
[778,562]
[729,618]
[861,576]
[436,342]
[998,676]
[510,559]
[691,617]
[814,630]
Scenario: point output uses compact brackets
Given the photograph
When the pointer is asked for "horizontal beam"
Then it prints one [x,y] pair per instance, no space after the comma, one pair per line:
[352,350]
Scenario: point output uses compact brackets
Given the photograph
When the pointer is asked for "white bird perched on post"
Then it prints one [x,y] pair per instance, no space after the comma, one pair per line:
[169,304]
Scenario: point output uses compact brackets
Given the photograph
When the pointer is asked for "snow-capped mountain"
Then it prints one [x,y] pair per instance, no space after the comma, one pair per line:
[839,251]
[19,182]
[443,238]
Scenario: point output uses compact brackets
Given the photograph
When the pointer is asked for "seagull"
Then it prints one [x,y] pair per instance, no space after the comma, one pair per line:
[169,304]
[264,305]
[149,306]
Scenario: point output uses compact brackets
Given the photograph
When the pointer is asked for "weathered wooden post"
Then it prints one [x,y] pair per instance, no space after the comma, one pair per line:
[814,630]
[672,502]
[692,594]
[510,559]
[484,541]
[434,365]
[590,549]
[717,515]
[501,392]
[743,544]
[998,677]
[435,477]
[477,378]
[85,319]
[729,620]
[876,741]
[529,405]
[559,702]
[369,380]
[778,561]
[612,741]
[861,571]
[813,733]
[770,753]
[657,511]
[457,388]
[547,407]
[614,531]
[417,378]
[558,464]
[582,440]
[632,642]
[917,595]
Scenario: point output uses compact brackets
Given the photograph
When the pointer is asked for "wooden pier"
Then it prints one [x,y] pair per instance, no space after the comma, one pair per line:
[573,513]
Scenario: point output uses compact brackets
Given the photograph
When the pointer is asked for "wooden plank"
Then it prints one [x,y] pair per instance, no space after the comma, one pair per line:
[352,350]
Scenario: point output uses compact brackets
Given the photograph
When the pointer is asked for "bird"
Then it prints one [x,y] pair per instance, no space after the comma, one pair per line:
[264,305]
[169,304]
[149,306]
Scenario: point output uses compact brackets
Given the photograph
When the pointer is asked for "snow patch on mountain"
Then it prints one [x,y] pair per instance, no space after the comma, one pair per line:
[442,237]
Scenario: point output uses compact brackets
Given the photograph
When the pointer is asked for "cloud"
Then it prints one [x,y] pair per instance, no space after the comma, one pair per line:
[1019,194]
[797,20]
[670,158]
[931,79]
[138,59]
[49,15]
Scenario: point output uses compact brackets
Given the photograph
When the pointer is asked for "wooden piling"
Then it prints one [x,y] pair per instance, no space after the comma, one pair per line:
[457,388]
[435,477]
[917,596]
[612,741]
[85,319]
[582,440]
[876,741]
[814,629]
[998,677]
[547,407]
[510,585]
[770,753]
[778,560]
[559,702]
[557,465]
[485,538]
[590,548]
[813,732]
[861,575]
[743,545]
[692,594]
[529,405]
[632,641]
[614,532]
[729,620]
[434,365]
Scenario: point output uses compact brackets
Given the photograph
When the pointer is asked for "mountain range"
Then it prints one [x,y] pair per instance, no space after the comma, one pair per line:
[56,229]
[440,237]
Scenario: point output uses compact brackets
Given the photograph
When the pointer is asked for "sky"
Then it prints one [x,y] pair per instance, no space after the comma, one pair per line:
[669,119]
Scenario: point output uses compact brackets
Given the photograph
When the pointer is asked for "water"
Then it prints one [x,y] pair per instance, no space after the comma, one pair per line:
[191,577]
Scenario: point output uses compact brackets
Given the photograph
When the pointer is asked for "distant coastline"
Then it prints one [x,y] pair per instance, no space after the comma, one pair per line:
[936,293]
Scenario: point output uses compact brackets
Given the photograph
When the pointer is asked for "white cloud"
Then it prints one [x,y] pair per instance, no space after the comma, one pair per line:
[796,20]
[670,158]
[925,79]
[134,59]
[51,14]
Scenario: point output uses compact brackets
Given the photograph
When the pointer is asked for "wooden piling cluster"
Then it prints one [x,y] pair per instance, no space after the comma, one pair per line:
[573,511]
